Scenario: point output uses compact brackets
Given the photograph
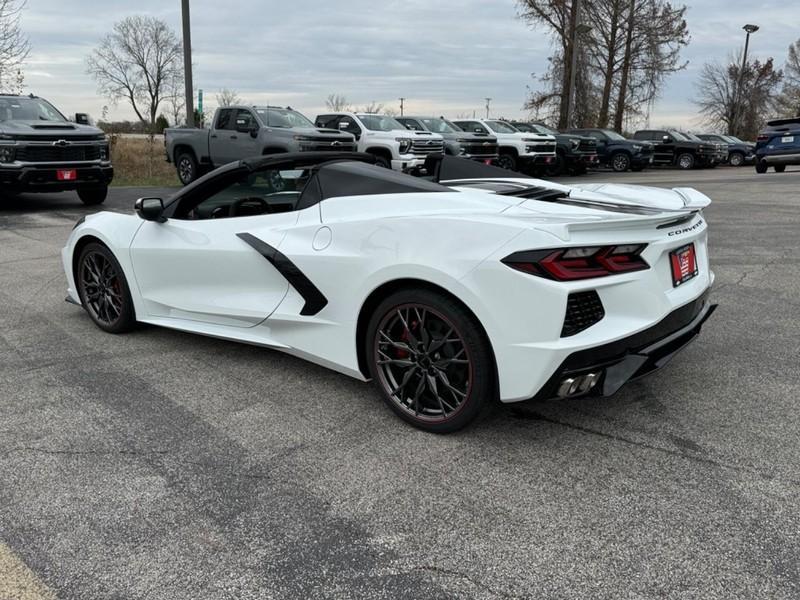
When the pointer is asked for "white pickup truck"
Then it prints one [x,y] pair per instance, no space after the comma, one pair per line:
[518,151]
[384,137]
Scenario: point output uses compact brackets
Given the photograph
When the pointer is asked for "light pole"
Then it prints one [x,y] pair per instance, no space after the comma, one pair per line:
[402,105]
[749,28]
[488,103]
[187,63]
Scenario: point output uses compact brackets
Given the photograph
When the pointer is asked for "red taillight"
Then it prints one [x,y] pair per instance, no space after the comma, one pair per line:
[571,264]
[762,137]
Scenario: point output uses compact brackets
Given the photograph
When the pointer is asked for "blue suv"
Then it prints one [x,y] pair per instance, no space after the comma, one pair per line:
[778,145]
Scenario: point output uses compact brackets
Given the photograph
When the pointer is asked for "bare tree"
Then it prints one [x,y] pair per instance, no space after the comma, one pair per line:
[789,100]
[138,62]
[175,98]
[372,107]
[227,97]
[337,103]
[14,46]
[717,97]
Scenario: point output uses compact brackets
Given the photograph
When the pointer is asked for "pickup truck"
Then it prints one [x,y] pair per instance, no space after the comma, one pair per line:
[519,151]
[617,152]
[474,146]
[41,151]
[778,145]
[739,152]
[672,147]
[392,145]
[239,132]
[574,153]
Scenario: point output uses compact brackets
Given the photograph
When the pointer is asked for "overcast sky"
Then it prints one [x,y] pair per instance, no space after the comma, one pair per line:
[445,56]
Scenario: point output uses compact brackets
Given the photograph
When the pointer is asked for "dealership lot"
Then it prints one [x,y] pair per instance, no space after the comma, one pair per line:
[163,465]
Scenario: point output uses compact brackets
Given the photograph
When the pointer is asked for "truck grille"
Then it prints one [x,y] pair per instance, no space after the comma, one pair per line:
[58,154]
[426,147]
[487,149]
[588,146]
[584,309]
[543,147]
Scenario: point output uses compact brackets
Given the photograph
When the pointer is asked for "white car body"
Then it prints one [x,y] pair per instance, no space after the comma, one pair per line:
[388,144]
[531,148]
[199,276]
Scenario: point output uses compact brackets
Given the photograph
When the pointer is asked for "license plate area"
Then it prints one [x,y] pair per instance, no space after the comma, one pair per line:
[684,264]
[67,174]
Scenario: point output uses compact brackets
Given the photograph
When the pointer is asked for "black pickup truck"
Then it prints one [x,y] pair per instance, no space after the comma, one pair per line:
[41,151]
[574,153]
[739,152]
[671,147]
[618,152]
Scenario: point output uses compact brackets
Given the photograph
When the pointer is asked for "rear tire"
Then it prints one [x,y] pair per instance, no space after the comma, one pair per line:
[780,168]
[430,359]
[761,166]
[685,161]
[93,196]
[736,159]
[620,162]
[186,165]
[103,289]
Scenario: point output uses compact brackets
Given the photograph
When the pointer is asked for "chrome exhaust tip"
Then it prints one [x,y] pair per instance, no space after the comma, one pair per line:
[578,385]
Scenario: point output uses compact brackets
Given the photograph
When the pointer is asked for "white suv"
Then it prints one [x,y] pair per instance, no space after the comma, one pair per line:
[518,151]
[382,136]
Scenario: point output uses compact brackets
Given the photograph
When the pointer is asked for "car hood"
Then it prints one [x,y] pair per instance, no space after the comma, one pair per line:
[318,131]
[47,128]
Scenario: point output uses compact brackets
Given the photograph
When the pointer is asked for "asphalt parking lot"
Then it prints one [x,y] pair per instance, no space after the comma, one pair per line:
[163,465]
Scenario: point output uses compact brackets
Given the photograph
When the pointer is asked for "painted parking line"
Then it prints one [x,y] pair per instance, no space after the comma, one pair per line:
[17,581]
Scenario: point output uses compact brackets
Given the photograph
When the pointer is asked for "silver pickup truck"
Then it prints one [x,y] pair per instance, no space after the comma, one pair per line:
[41,151]
[239,132]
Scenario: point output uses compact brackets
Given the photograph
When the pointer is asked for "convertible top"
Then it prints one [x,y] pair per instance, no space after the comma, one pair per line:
[346,178]
[449,168]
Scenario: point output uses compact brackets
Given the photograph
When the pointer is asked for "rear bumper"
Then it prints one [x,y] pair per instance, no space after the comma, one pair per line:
[44,178]
[616,363]
[780,159]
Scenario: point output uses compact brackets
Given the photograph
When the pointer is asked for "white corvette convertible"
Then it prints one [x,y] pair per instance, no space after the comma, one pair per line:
[448,292]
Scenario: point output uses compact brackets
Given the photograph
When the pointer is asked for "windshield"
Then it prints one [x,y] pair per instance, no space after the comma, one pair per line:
[380,123]
[28,109]
[679,136]
[439,125]
[501,127]
[282,117]
[613,135]
[542,128]
[693,137]
[732,139]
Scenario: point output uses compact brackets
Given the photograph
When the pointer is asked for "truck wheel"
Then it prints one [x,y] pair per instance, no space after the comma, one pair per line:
[187,167]
[780,168]
[620,162]
[382,161]
[685,161]
[761,166]
[507,161]
[736,159]
[93,196]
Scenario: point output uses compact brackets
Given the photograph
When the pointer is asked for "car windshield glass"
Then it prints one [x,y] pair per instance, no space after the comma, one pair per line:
[439,125]
[282,117]
[526,127]
[732,139]
[28,109]
[678,135]
[693,137]
[613,135]
[501,127]
[542,128]
[380,123]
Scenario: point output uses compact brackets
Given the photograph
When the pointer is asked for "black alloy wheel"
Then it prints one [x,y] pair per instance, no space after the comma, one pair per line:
[430,360]
[104,290]
[620,162]
[507,161]
[186,166]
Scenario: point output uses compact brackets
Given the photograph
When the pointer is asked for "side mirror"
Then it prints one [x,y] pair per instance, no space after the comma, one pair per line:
[82,119]
[666,139]
[150,209]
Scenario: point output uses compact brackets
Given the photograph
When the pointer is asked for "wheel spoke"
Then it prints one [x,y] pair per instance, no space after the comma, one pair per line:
[411,337]
[400,345]
[404,383]
[442,341]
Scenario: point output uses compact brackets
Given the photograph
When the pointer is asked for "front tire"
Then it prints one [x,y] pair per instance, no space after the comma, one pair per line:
[780,168]
[685,161]
[620,162]
[557,167]
[507,161]
[187,167]
[736,159]
[103,289]
[93,196]
[430,359]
